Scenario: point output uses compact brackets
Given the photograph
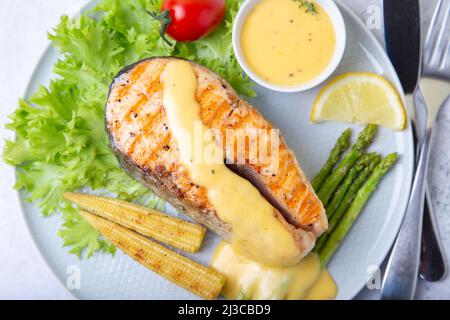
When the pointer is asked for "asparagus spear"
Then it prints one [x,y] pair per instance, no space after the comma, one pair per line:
[347,201]
[341,145]
[345,185]
[358,203]
[365,138]
[351,193]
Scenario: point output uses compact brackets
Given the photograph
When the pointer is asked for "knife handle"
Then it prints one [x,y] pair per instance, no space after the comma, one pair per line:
[400,279]
[433,266]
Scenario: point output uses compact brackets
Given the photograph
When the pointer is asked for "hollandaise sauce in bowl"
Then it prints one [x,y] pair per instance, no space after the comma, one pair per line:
[289,45]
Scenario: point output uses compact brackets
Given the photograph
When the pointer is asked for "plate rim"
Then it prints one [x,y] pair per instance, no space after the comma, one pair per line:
[409,141]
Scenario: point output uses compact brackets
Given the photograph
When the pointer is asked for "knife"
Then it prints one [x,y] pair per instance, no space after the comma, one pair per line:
[402,30]
[403,45]
[403,42]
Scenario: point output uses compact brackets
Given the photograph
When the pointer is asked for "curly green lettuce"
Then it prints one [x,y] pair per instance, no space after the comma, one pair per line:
[60,143]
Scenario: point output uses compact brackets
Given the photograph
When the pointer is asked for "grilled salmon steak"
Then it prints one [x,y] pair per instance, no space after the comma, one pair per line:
[143,140]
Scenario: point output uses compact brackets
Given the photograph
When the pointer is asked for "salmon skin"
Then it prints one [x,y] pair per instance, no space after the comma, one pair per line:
[141,138]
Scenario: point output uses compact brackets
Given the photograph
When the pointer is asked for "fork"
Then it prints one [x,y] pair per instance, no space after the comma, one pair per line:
[436,64]
[400,279]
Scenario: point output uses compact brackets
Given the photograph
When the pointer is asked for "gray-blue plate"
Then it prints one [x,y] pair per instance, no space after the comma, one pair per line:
[119,277]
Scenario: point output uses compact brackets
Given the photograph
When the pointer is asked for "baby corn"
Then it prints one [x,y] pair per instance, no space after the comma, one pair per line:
[173,231]
[198,279]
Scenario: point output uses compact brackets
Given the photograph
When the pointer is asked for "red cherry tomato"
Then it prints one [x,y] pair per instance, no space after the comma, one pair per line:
[192,19]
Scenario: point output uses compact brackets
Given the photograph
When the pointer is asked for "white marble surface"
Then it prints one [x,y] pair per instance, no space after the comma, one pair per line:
[23,27]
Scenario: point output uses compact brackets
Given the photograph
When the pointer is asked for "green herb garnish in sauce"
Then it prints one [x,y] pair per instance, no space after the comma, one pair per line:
[308,5]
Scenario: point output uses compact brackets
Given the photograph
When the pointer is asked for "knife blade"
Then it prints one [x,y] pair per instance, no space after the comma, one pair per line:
[403,42]
[404,48]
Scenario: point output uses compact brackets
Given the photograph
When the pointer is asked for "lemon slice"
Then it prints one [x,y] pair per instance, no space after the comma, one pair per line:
[360,98]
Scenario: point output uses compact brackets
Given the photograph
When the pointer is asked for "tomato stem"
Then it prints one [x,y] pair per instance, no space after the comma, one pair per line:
[164,19]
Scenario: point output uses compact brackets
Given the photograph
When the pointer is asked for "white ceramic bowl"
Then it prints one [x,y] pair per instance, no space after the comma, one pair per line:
[341,37]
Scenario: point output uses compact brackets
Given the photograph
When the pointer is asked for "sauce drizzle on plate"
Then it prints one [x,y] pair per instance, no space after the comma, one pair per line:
[249,280]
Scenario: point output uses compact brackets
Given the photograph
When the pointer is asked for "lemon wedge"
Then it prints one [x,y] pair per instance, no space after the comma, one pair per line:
[360,97]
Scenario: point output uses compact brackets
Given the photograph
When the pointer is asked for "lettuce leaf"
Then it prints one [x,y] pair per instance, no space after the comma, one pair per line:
[60,142]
